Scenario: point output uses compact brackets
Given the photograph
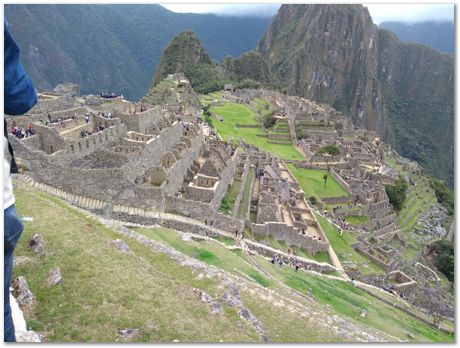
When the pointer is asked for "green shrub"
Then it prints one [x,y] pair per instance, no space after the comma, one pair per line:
[444,195]
[445,260]
[397,193]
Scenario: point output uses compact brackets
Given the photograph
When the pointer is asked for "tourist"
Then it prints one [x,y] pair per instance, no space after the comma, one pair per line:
[19,97]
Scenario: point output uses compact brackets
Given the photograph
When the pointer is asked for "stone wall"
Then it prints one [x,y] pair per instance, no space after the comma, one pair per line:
[336,200]
[182,206]
[179,169]
[342,182]
[154,150]
[281,231]
[225,181]
[142,122]
[84,146]
[110,185]
[309,265]
[244,177]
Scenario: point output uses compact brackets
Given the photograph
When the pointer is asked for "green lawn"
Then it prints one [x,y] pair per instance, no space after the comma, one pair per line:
[206,251]
[233,114]
[246,199]
[312,183]
[356,219]
[103,289]
[228,202]
[343,250]
[418,200]
[349,301]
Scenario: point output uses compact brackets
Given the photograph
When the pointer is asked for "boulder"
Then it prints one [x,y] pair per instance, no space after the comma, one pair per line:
[121,245]
[128,333]
[36,243]
[54,277]
[28,337]
[19,261]
[26,300]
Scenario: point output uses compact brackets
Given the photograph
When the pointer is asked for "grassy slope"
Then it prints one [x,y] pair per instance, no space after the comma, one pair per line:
[240,114]
[312,183]
[103,289]
[348,301]
[341,245]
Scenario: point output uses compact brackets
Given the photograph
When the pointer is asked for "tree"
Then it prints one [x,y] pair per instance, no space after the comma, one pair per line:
[397,193]
[325,179]
[328,151]
[444,195]
[445,258]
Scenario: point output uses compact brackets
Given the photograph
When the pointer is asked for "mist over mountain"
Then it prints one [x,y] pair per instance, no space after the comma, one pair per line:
[438,35]
[116,47]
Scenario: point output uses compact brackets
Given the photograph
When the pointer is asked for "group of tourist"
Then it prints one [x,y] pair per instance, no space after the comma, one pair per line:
[290,259]
[58,120]
[21,132]
[87,133]
[105,114]
[109,95]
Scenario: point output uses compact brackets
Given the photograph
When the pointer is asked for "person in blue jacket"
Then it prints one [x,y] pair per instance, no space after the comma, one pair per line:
[19,97]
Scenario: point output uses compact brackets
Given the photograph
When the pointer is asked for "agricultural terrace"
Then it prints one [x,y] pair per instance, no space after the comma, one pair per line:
[226,119]
[312,183]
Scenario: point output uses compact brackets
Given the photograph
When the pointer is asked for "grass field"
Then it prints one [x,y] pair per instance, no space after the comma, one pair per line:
[312,183]
[356,219]
[233,114]
[246,199]
[228,202]
[341,246]
[349,301]
[103,290]
[418,200]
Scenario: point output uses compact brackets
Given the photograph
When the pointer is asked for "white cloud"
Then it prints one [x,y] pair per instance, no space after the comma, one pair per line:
[411,13]
[258,10]
[380,12]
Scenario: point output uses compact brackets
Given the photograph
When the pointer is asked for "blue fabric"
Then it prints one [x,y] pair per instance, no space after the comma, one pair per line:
[20,96]
[19,92]
[13,230]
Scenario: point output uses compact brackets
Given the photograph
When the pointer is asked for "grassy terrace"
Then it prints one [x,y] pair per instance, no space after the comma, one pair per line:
[228,202]
[246,199]
[312,183]
[233,114]
[419,199]
[349,301]
[345,253]
[356,219]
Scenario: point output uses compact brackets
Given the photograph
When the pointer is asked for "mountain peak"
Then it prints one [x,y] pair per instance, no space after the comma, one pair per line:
[183,51]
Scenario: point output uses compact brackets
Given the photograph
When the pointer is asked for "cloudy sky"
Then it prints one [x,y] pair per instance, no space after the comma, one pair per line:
[379,12]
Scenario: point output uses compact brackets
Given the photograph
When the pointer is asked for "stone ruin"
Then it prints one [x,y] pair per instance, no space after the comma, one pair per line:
[131,154]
